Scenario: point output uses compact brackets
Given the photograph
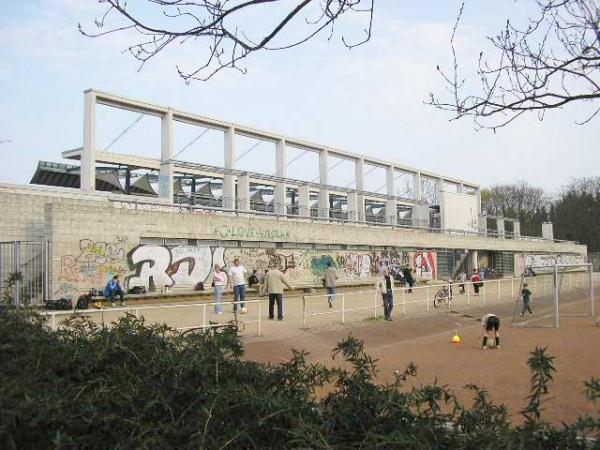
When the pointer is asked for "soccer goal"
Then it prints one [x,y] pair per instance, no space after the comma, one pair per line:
[555,292]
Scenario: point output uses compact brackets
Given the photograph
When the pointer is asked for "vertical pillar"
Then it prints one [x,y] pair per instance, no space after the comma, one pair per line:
[243,193]
[303,201]
[478,195]
[228,178]
[352,199]
[439,187]
[166,172]
[88,155]
[391,214]
[517,228]
[483,224]
[417,193]
[460,188]
[359,166]
[193,191]
[323,192]
[547,230]
[280,188]
[473,261]
[500,227]
[420,212]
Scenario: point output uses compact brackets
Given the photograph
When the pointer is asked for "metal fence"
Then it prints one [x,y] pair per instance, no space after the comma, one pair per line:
[24,268]
[418,300]
[180,316]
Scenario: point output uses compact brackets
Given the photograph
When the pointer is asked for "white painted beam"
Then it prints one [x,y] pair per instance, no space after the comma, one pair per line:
[166,172]
[88,153]
[229,180]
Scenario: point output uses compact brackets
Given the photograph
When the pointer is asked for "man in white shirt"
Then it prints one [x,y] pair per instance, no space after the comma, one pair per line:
[237,280]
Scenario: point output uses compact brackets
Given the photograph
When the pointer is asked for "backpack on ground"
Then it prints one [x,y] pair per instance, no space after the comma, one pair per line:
[83,302]
[62,304]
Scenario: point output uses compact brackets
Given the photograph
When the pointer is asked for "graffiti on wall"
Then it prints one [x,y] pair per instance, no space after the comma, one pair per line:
[156,266]
[93,264]
[547,262]
[425,265]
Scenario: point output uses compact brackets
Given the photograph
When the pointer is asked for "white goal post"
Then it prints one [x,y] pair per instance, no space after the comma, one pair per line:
[570,295]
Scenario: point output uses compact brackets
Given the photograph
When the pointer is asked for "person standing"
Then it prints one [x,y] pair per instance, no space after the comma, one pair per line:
[219,283]
[462,279]
[408,279]
[113,287]
[490,322]
[475,280]
[274,281]
[329,280]
[526,294]
[385,284]
[237,280]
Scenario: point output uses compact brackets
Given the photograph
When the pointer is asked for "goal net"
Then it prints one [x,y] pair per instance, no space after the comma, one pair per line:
[555,293]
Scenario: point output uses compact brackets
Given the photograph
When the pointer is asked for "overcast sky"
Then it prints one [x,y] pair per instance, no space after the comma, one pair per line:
[368,100]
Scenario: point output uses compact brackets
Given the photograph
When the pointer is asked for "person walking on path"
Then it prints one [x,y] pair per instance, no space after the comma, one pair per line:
[219,283]
[113,287]
[490,322]
[462,279]
[526,294]
[408,278]
[475,280]
[329,279]
[385,284]
[237,280]
[274,281]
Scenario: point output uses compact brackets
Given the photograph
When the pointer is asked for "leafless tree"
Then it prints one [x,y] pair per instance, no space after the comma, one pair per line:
[222,28]
[552,61]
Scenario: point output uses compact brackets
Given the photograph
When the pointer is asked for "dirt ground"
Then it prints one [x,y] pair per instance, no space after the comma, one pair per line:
[503,372]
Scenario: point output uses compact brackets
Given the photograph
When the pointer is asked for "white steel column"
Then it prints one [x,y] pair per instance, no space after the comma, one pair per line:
[243,193]
[391,216]
[323,192]
[280,188]
[88,154]
[359,165]
[303,200]
[228,179]
[166,172]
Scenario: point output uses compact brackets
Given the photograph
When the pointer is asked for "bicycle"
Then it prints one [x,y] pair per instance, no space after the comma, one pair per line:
[443,296]
[217,326]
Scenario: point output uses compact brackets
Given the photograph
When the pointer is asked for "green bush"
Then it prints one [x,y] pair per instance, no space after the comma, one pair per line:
[148,387]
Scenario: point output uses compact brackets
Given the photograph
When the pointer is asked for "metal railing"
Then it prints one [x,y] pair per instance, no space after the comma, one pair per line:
[490,291]
[24,272]
[322,214]
[204,324]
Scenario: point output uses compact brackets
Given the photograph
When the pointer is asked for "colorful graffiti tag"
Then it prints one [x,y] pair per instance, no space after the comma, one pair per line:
[93,264]
[157,266]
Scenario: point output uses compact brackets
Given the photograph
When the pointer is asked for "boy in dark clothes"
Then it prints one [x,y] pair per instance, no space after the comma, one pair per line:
[526,293]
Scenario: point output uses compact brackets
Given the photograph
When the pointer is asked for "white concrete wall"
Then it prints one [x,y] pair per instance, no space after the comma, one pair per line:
[459,211]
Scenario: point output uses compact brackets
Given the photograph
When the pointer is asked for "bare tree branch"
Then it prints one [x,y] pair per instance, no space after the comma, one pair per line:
[213,25]
[552,62]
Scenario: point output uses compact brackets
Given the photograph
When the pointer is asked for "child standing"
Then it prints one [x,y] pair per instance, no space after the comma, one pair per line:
[526,293]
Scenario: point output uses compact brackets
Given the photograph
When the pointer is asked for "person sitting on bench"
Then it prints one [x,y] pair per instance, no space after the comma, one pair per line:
[113,287]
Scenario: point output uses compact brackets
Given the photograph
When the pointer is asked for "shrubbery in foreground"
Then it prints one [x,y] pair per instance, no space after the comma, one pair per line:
[146,387]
